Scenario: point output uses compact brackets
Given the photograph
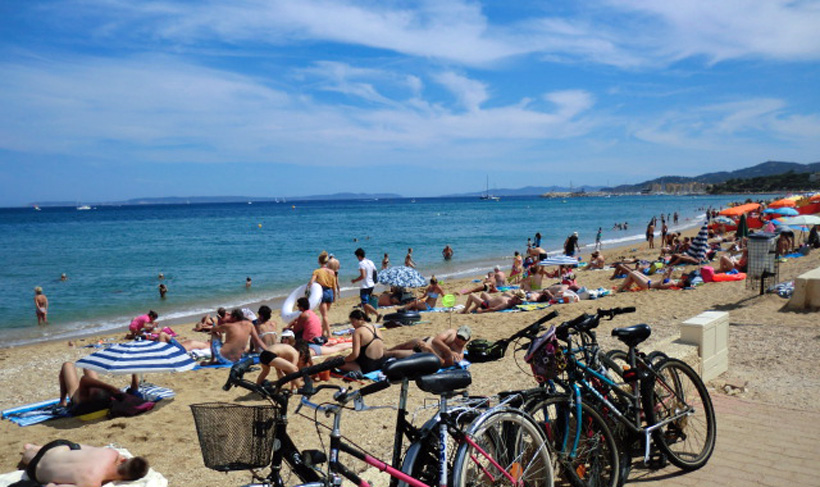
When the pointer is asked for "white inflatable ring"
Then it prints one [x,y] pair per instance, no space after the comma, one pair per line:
[288,313]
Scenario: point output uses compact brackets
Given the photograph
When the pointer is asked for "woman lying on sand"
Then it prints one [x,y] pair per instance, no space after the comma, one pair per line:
[643,282]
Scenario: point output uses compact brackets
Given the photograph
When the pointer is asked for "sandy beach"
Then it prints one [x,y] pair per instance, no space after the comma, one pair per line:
[768,351]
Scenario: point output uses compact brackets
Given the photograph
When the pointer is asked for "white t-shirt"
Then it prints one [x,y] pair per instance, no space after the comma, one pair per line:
[368,267]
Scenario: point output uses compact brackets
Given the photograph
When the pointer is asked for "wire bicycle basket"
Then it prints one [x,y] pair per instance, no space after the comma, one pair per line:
[235,437]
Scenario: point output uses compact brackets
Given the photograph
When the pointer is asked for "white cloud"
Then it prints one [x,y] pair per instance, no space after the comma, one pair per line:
[470,93]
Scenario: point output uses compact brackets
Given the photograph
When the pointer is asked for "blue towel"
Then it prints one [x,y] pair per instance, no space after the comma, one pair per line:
[46,410]
[254,356]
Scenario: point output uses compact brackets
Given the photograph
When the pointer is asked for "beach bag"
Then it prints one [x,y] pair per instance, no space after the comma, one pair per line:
[545,357]
[481,350]
[127,405]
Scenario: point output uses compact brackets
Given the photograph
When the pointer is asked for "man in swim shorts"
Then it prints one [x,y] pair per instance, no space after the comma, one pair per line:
[63,462]
[447,345]
[40,305]
[87,393]
[486,303]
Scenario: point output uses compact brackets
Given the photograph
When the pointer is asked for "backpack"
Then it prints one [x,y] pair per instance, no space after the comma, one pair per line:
[481,350]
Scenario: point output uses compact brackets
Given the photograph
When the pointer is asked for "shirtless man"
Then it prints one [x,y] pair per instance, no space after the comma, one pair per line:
[40,305]
[334,265]
[486,303]
[499,276]
[447,345]
[64,463]
[230,348]
[408,259]
[447,253]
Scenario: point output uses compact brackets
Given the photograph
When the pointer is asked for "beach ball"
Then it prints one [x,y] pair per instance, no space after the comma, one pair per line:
[448,301]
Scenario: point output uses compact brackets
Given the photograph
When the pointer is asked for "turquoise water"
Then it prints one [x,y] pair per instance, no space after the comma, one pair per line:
[113,255]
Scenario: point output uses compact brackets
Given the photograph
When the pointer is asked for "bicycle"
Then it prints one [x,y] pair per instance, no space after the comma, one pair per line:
[493,446]
[654,399]
[584,450]
[234,437]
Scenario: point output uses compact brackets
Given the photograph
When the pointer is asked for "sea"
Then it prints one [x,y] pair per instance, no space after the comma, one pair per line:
[113,255]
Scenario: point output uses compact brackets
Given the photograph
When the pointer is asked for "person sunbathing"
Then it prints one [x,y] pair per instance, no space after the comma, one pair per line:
[728,263]
[643,282]
[448,346]
[63,462]
[429,299]
[486,286]
[288,337]
[596,261]
[87,393]
[486,303]
[682,258]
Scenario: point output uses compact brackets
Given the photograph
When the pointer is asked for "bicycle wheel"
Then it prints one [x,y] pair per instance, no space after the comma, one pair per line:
[689,440]
[595,460]
[513,441]
[421,460]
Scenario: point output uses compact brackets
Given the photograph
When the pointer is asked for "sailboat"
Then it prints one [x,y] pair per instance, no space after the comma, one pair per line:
[487,196]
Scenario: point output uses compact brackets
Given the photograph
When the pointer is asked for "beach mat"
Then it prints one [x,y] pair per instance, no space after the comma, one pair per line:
[255,358]
[39,412]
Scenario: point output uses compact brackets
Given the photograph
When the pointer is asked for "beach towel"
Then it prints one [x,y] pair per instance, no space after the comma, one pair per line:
[506,288]
[254,356]
[47,410]
[152,479]
[457,307]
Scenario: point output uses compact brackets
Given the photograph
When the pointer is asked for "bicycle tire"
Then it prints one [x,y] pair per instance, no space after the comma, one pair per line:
[689,441]
[511,438]
[596,460]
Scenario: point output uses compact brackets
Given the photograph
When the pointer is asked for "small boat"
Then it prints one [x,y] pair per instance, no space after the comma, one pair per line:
[36,208]
[83,207]
[487,196]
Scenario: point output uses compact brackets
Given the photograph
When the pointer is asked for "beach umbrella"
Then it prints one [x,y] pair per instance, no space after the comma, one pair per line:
[723,220]
[402,276]
[559,260]
[742,227]
[698,247]
[782,203]
[785,210]
[139,357]
[801,220]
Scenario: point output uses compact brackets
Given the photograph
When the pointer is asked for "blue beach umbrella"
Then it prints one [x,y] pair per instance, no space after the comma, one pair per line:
[402,276]
[699,247]
[138,358]
[786,211]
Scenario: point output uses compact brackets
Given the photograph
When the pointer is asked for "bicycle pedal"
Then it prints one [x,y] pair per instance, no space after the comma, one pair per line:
[658,461]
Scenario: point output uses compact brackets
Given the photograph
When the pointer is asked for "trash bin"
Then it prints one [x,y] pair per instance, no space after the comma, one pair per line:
[761,262]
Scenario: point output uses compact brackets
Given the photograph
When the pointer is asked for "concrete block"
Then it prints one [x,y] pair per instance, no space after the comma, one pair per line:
[709,331]
[806,292]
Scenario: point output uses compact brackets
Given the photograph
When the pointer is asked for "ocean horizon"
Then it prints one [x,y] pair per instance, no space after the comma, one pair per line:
[113,255]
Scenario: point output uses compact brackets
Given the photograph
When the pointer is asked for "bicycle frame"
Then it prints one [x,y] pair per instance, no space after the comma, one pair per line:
[634,398]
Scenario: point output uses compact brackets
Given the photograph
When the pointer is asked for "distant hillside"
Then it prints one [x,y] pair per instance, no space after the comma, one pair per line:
[769,168]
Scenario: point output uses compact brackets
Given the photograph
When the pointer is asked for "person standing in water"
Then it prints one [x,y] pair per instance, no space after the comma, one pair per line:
[40,305]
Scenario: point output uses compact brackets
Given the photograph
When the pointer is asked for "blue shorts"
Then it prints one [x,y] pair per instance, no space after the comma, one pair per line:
[316,349]
[327,295]
[364,294]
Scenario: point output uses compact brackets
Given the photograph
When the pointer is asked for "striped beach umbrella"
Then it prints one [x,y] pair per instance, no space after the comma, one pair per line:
[699,247]
[139,357]
[559,260]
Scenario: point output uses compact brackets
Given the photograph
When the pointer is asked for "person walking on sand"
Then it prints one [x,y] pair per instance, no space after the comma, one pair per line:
[40,306]
[326,278]
[650,233]
[367,275]
[408,259]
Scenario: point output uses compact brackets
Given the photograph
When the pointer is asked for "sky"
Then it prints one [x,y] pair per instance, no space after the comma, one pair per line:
[105,100]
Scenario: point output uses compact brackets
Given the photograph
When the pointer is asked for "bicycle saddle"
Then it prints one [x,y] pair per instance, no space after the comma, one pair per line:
[411,367]
[445,381]
[632,335]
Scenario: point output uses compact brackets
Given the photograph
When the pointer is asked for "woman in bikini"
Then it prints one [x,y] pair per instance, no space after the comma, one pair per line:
[367,353]
[266,327]
[429,299]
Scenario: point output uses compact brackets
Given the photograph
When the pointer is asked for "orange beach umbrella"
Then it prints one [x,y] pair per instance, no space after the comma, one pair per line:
[740,209]
[781,203]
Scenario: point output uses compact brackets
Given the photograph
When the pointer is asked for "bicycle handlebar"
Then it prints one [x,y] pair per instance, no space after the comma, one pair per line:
[235,377]
[585,323]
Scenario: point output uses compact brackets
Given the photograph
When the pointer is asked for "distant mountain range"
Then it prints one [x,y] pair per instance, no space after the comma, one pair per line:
[770,168]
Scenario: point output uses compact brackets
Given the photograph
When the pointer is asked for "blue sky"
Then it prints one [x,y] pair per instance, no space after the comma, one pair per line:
[115,99]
